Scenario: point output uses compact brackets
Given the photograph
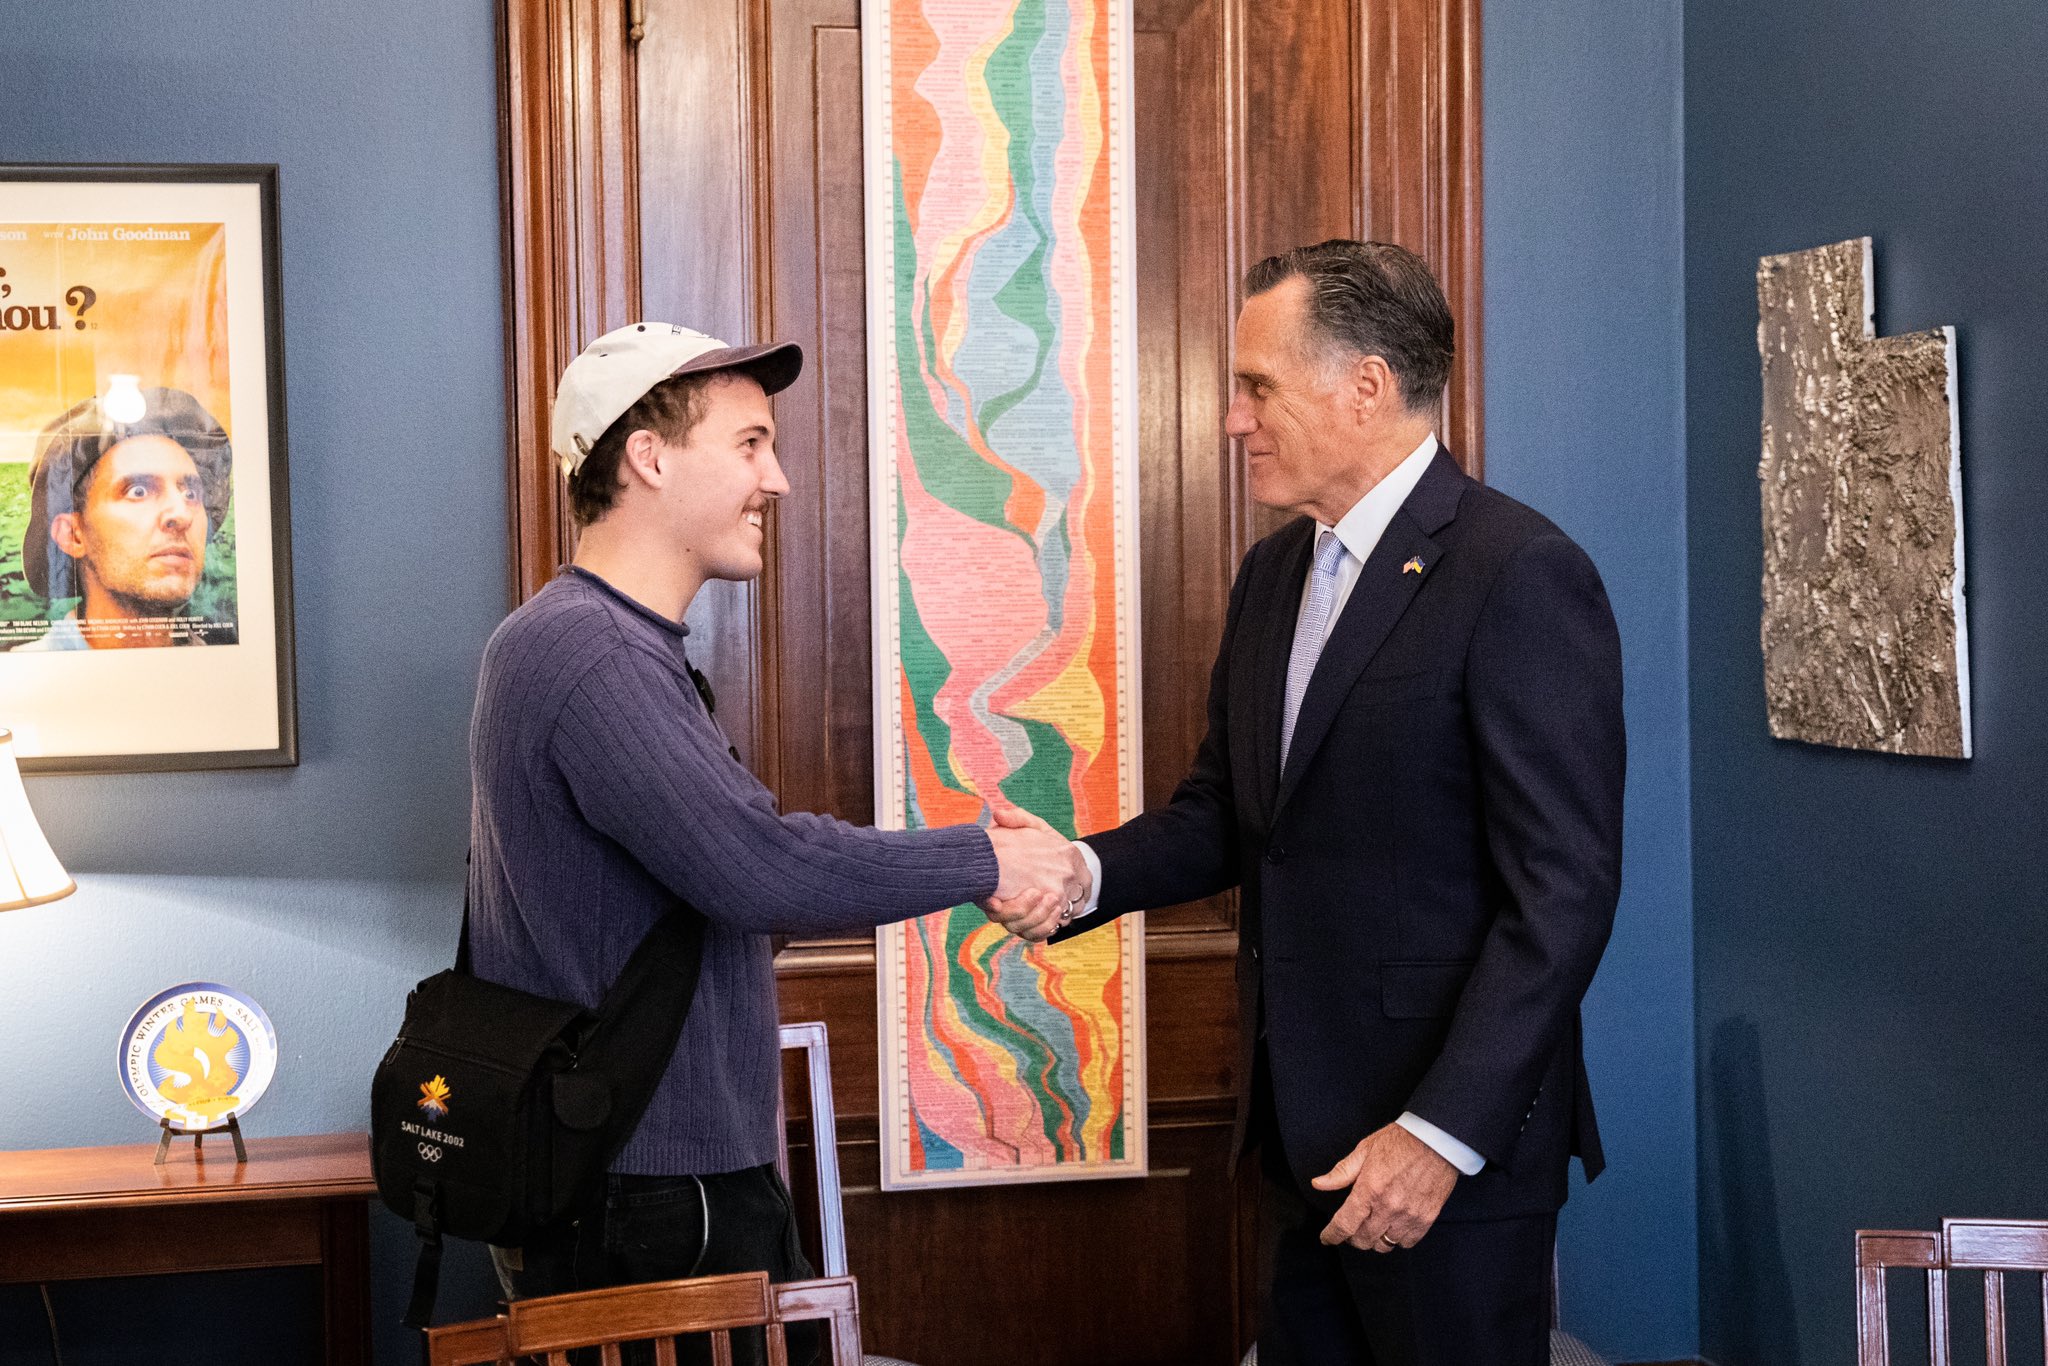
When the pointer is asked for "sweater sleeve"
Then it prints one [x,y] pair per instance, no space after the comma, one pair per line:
[648,767]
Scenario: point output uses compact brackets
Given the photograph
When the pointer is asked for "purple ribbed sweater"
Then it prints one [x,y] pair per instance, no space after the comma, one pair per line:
[600,779]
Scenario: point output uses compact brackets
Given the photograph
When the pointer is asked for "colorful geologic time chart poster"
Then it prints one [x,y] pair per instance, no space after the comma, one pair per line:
[1002,391]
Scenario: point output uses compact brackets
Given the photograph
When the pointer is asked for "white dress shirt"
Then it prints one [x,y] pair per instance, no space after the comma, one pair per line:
[1360,530]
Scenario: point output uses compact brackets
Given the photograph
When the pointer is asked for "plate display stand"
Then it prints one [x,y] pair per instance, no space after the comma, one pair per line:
[234,1131]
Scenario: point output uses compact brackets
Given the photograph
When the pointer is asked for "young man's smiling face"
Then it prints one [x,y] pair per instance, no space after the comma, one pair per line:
[728,477]
[139,532]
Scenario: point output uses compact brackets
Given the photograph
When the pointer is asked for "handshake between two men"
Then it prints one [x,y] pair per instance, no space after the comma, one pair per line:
[1043,881]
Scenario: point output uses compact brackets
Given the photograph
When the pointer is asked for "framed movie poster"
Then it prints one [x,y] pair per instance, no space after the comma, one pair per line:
[145,547]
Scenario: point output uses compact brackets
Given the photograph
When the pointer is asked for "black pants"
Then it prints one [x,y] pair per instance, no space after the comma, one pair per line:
[666,1228]
[1468,1294]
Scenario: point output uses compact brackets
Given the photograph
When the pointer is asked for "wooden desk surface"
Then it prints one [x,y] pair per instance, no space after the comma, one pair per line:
[312,1166]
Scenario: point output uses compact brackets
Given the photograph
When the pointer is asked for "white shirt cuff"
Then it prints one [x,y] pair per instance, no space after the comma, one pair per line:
[1087,906]
[1448,1148]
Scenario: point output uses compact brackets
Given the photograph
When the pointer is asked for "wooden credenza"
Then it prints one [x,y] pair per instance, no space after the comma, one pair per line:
[81,1213]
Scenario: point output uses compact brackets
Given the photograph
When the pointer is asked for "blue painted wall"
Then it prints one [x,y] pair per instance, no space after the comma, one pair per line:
[1871,942]
[1584,420]
[324,890]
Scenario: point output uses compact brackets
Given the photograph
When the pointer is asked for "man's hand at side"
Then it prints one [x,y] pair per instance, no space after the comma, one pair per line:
[1398,1186]
[1040,876]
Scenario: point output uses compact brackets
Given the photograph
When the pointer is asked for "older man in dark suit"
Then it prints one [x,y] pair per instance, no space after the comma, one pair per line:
[1413,773]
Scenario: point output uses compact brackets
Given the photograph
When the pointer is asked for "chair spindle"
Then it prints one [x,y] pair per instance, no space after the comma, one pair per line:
[1994,1318]
[1937,1317]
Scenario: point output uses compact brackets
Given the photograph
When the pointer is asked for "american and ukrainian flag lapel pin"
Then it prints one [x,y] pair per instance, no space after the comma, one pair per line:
[1414,566]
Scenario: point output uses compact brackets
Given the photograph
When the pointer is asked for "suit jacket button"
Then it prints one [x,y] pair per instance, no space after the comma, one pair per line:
[1276,855]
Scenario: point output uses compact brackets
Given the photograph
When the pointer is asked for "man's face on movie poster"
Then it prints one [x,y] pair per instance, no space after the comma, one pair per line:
[127,327]
[139,535]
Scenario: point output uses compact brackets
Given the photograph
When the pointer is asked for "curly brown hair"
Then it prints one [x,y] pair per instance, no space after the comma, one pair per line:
[671,410]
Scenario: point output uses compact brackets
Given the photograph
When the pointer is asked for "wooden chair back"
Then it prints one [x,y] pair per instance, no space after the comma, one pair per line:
[479,1342]
[550,1327]
[833,1301]
[1992,1246]
[810,1038]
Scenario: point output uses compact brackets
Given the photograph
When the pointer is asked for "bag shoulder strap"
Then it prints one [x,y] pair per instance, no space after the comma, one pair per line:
[462,944]
[641,1017]
[426,1272]
[674,947]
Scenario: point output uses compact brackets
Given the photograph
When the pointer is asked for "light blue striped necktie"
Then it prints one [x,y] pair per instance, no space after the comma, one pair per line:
[1309,632]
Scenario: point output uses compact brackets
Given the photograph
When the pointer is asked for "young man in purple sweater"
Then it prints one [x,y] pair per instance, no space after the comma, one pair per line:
[604,786]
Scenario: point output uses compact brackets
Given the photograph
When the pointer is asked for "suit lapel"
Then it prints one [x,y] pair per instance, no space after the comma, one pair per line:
[1276,642]
[1404,558]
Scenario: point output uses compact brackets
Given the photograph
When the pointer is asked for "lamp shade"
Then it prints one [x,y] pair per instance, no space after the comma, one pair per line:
[29,872]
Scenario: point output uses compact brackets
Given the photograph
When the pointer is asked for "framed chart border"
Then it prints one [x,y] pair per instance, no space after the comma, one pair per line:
[891,759]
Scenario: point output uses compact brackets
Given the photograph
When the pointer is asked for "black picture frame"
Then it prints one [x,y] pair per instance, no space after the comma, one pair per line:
[125,195]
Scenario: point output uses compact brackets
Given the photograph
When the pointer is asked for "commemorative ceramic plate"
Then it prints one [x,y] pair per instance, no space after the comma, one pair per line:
[197,1055]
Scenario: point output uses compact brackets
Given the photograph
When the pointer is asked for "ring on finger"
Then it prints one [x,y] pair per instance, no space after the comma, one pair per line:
[1388,1242]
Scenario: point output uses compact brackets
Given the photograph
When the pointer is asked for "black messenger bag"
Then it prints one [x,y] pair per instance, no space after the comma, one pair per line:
[496,1112]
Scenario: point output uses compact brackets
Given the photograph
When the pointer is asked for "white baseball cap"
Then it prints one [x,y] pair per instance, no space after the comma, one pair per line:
[616,371]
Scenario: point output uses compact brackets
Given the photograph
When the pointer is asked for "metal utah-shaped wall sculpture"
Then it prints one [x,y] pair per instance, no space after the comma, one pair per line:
[1864,635]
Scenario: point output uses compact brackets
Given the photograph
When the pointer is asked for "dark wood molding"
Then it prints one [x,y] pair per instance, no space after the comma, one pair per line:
[765,602]
[572,193]
[703,201]
[570,176]
[713,176]
[1418,181]
[1234,133]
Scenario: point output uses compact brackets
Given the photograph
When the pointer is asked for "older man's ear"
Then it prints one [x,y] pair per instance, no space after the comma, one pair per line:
[1375,390]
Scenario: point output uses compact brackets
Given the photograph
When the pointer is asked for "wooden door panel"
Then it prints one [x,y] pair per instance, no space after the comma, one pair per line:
[1126,1271]
[816,654]
[1082,1273]
[820,703]
[712,176]
[1301,129]
[1190,486]
[700,175]
[809,680]
[1417,65]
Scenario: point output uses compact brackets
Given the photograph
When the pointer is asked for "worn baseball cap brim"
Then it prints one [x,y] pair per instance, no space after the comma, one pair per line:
[617,370]
[774,366]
